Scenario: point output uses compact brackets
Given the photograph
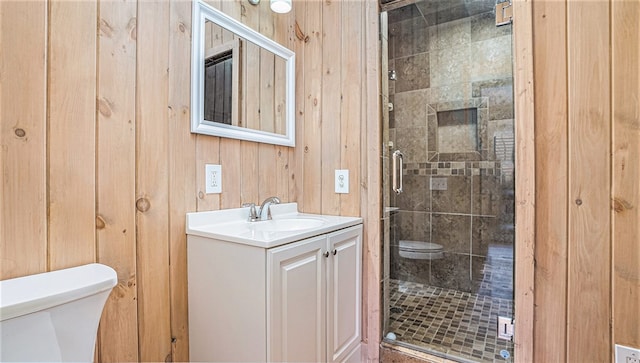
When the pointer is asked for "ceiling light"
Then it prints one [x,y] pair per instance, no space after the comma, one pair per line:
[281,6]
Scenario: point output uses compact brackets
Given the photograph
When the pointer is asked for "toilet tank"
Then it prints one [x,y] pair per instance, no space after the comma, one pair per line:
[53,316]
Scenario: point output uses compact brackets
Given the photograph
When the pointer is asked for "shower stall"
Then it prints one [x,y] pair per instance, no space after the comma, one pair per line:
[448,178]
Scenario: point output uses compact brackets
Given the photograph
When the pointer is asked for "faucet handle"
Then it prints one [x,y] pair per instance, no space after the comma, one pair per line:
[253,215]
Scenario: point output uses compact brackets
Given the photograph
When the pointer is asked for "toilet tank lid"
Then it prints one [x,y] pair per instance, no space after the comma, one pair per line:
[28,294]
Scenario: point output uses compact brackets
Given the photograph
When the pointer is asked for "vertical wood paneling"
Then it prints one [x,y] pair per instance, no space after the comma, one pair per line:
[283,34]
[353,105]
[23,194]
[331,96]
[182,173]
[296,155]
[72,133]
[229,152]
[267,187]
[207,152]
[625,191]
[249,163]
[251,90]
[267,157]
[116,175]
[249,150]
[279,87]
[551,185]
[589,266]
[524,248]
[230,155]
[152,183]
[371,191]
[282,173]
[312,139]
[208,148]
[267,101]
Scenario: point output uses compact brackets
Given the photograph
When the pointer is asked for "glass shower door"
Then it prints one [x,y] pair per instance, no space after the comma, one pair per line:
[448,232]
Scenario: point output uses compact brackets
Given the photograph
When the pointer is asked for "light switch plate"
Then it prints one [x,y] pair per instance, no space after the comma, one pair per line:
[213,178]
[342,181]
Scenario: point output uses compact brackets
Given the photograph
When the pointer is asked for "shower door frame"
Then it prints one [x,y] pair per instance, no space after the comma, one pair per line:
[524,193]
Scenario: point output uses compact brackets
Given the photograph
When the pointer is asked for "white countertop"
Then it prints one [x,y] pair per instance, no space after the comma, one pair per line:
[232,225]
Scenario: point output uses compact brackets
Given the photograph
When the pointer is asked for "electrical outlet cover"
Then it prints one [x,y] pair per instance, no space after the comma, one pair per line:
[213,179]
[627,354]
[342,181]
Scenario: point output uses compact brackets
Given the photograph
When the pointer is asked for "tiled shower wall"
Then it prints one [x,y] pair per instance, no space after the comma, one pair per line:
[444,63]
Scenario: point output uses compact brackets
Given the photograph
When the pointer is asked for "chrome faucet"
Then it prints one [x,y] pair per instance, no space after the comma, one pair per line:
[267,205]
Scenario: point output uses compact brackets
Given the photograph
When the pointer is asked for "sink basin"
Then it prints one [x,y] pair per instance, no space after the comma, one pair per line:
[286,224]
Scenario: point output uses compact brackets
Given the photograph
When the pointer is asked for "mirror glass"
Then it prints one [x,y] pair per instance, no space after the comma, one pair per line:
[242,82]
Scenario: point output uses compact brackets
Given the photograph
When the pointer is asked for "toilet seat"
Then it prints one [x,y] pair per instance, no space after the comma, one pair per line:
[420,250]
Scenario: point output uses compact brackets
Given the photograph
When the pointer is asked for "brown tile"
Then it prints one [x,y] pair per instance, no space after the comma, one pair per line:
[450,34]
[410,108]
[483,27]
[452,232]
[409,37]
[492,59]
[489,231]
[487,195]
[450,65]
[413,226]
[447,321]
[481,6]
[457,197]
[403,13]
[452,271]
[415,195]
[466,156]
[500,112]
[478,88]
[451,13]
[412,141]
[412,72]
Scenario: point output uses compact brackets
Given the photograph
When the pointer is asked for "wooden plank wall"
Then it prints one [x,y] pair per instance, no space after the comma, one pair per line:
[587,126]
[524,249]
[98,162]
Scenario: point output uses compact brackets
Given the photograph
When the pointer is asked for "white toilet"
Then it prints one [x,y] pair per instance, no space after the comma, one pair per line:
[420,250]
[53,316]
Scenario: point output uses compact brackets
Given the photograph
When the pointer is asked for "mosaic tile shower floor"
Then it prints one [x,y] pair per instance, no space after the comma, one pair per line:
[459,324]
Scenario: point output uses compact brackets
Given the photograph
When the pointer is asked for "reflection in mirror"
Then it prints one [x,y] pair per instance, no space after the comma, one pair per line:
[243,84]
[221,82]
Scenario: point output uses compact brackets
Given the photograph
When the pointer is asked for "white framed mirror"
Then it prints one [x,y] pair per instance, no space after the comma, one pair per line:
[242,83]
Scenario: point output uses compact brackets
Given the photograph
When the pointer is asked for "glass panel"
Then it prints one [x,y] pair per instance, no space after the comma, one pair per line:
[448,238]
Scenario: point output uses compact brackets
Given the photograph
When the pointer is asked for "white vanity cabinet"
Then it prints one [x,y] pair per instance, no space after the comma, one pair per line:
[314,298]
[299,301]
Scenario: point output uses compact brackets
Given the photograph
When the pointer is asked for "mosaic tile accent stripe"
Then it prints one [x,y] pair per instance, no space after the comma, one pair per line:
[466,168]
[456,323]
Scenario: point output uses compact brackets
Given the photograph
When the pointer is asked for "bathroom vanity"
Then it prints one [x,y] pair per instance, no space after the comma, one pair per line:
[287,289]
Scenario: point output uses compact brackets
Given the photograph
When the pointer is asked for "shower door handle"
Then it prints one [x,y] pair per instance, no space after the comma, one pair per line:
[398,161]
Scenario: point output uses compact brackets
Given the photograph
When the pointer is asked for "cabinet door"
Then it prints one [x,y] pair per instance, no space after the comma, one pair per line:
[344,293]
[296,303]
